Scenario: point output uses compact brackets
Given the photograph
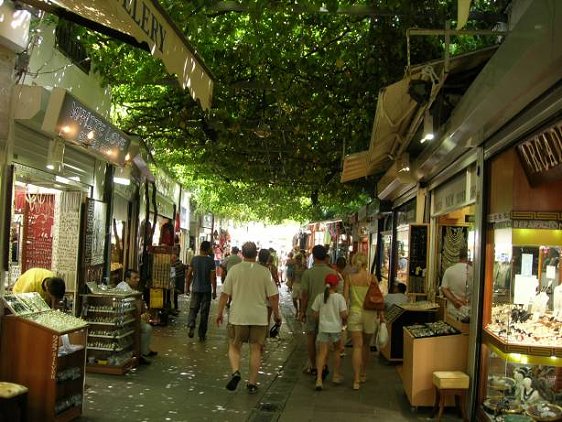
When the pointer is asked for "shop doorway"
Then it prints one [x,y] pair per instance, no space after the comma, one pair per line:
[46,212]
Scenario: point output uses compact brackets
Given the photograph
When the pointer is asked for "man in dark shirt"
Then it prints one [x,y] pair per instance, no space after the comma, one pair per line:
[179,279]
[202,276]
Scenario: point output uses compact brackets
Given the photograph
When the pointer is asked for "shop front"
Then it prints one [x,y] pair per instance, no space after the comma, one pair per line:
[452,233]
[185,240]
[521,343]
[123,223]
[60,150]
[403,241]
[158,239]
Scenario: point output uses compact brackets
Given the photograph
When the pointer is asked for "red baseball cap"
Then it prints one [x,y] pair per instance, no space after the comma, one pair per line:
[332,279]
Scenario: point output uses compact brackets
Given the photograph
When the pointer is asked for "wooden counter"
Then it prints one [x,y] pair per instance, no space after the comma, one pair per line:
[423,356]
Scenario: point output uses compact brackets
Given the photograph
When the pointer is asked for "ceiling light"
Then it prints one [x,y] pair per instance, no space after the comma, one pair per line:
[403,163]
[428,129]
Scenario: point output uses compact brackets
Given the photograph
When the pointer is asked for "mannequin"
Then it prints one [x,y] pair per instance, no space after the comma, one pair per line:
[519,377]
[528,393]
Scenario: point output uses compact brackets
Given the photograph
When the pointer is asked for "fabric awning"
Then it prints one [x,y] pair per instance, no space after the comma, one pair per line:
[398,116]
[148,23]
[356,166]
[393,117]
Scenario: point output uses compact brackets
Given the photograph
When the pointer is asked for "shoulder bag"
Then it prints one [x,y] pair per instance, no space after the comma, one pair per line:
[374,300]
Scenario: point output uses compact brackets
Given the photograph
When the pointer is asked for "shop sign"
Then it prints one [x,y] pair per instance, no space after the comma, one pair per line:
[165,185]
[77,124]
[148,25]
[184,218]
[164,206]
[362,213]
[207,221]
[455,194]
[541,155]
[406,213]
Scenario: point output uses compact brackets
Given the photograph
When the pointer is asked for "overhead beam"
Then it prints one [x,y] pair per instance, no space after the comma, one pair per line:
[353,10]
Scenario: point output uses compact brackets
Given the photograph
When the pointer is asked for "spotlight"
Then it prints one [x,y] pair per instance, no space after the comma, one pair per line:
[428,134]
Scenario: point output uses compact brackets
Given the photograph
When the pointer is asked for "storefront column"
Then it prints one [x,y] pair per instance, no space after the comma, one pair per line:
[7,63]
[108,199]
[479,252]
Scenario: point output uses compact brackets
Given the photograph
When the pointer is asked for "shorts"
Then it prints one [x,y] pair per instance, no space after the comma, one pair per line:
[328,337]
[311,324]
[247,333]
[364,321]
[296,293]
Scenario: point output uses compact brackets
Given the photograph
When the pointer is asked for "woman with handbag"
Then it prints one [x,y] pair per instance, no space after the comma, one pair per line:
[361,291]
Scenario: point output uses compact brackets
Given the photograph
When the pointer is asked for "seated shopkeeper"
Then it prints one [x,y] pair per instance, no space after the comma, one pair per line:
[42,281]
[131,284]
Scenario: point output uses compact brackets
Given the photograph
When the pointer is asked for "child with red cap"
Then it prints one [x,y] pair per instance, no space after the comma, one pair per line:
[331,310]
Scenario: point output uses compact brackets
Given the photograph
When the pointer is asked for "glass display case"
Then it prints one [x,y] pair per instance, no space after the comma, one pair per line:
[521,359]
[403,246]
[386,240]
[411,261]
[114,338]
[44,350]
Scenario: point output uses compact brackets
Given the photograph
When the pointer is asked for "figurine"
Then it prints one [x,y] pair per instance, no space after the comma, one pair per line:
[528,393]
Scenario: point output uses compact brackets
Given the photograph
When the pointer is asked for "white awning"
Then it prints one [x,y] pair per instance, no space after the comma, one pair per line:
[146,22]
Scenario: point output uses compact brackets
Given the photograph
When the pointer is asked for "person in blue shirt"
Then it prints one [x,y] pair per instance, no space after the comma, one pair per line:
[202,285]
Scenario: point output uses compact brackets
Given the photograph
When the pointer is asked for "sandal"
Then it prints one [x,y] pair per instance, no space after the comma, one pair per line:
[252,388]
[363,379]
[310,371]
[319,386]
[337,379]
[234,380]
[356,386]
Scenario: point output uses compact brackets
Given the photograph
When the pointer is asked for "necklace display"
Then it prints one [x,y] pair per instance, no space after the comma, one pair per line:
[453,240]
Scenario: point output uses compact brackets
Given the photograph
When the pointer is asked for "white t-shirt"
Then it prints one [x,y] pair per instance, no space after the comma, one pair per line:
[250,285]
[330,319]
[124,286]
[455,279]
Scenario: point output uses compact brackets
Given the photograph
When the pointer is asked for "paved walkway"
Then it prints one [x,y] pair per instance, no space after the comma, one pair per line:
[186,382]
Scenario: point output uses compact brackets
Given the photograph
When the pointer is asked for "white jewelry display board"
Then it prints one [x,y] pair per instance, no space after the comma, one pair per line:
[525,289]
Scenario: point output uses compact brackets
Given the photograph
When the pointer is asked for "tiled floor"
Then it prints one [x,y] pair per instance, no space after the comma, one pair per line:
[186,382]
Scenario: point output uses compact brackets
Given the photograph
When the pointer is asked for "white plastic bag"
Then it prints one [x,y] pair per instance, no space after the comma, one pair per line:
[382,336]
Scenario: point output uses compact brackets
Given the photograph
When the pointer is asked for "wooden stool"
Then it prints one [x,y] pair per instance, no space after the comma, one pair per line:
[450,383]
[13,402]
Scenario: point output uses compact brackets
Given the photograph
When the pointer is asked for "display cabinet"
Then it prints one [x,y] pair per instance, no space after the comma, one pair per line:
[399,316]
[412,246]
[521,350]
[386,247]
[114,338]
[430,347]
[45,351]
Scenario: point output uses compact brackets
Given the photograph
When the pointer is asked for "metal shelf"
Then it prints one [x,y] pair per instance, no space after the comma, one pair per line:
[113,324]
[128,333]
